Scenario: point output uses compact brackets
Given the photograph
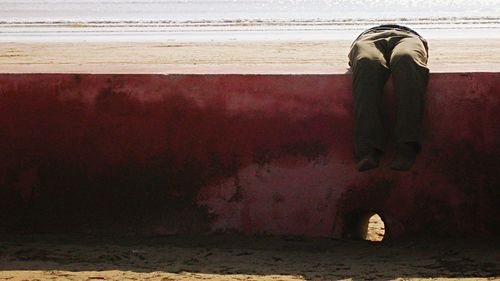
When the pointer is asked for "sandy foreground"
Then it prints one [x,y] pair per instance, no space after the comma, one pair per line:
[226,57]
[234,257]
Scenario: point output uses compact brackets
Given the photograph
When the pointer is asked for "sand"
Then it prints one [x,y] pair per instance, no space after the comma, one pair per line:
[226,57]
[235,257]
[243,258]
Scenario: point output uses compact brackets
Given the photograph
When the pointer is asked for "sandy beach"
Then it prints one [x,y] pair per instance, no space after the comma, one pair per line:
[226,57]
[234,257]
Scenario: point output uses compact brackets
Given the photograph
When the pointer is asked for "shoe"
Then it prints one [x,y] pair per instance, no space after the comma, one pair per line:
[406,154]
[369,161]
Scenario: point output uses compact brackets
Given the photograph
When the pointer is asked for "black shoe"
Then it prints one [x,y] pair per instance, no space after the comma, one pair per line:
[406,154]
[368,161]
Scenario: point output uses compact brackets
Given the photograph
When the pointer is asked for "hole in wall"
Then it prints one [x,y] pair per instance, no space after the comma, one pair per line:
[367,226]
[376,229]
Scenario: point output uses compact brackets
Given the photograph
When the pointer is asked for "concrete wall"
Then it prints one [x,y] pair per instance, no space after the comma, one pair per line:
[160,154]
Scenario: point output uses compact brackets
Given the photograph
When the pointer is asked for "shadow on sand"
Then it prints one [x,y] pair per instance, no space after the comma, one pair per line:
[236,257]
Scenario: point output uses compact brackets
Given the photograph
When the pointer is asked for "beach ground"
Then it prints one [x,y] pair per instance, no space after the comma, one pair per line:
[226,57]
[236,257]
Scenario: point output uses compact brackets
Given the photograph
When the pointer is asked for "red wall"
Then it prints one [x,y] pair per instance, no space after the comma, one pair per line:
[252,153]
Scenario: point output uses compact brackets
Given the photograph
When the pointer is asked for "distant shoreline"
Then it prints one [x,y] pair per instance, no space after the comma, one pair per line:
[240,30]
[311,21]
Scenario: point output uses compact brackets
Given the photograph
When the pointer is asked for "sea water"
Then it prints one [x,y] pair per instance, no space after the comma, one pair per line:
[149,20]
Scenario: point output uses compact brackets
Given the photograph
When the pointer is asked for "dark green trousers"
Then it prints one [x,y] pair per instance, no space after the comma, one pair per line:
[373,58]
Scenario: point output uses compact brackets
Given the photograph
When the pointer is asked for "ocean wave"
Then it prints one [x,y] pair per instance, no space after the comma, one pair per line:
[199,10]
[237,29]
[236,22]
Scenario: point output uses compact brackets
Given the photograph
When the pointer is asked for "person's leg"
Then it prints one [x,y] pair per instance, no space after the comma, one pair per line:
[408,64]
[370,73]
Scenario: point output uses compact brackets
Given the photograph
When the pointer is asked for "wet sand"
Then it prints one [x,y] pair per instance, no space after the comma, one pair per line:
[226,57]
[234,257]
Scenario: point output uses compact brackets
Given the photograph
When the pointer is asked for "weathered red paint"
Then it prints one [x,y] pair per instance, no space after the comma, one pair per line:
[251,153]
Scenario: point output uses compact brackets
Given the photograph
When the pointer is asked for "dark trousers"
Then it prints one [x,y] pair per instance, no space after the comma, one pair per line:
[374,57]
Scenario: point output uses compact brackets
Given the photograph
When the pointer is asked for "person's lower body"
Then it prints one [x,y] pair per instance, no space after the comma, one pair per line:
[373,58]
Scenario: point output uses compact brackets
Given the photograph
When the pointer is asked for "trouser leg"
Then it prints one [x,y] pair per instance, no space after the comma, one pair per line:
[370,73]
[410,76]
